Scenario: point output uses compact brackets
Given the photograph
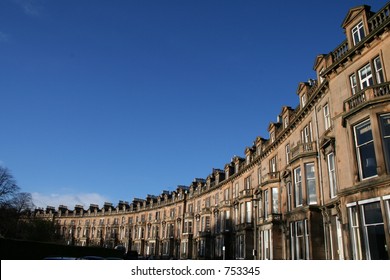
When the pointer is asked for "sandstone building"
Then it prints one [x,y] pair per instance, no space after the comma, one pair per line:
[317,188]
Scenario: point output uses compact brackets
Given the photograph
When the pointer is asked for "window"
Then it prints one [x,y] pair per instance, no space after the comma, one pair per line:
[240,247]
[353,82]
[385,130]
[266,204]
[365,77]
[259,175]
[248,209]
[310,183]
[320,75]
[242,213]
[379,71]
[248,183]
[226,195]
[372,229]
[303,100]
[287,153]
[365,152]
[272,164]
[265,244]
[307,133]
[286,122]
[326,116]
[298,187]
[332,175]
[272,136]
[275,200]
[354,232]
[299,240]
[358,33]
[235,190]
[289,196]
[236,214]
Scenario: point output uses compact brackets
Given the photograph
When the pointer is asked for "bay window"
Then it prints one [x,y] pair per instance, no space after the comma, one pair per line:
[310,183]
[365,153]
[298,187]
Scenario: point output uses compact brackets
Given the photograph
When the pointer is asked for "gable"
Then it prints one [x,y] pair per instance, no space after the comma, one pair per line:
[353,13]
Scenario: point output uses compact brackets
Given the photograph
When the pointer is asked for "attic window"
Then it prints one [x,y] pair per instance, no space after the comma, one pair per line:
[358,33]
[285,122]
[304,100]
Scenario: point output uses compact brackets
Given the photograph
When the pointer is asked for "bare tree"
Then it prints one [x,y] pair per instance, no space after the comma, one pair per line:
[8,186]
[22,202]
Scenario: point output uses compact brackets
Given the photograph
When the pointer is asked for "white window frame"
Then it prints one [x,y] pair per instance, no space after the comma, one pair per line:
[266,204]
[354,85]
[287,149]
[298,187]
[304,100]
[332,175]
[385,138]
[327,122]
[248,210]
[359,146]
[379,70]
[273,167]
[358,33]
[365,76]
[275,200]
[310,193]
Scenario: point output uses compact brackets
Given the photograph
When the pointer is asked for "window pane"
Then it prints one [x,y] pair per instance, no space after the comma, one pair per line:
[372,213]
[275,200]
[298,186]
[365,150]
[353,83]
[368,160]
[385,127]
[332,175]
[311,183]
[379,70]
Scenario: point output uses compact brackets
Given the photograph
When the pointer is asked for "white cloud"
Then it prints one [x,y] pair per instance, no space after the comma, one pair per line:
[70,200]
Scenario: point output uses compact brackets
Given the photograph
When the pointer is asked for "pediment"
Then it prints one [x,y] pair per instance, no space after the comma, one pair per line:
[318,61]
[353,13]
[285,109]
[301,87]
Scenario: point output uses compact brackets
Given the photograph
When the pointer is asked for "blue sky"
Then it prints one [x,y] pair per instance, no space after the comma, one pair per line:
[112,100]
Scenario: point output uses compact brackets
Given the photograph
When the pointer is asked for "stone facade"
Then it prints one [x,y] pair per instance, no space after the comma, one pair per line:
[318,188]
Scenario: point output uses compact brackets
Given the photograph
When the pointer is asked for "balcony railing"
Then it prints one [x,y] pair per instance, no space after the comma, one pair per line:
[225,203]
[367,95]
[379,18]
[271,177]
[340,51]
[302,149]
[245,193]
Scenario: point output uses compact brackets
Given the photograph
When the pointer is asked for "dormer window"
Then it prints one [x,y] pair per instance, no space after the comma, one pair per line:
[272,136]
[320,75]
[358,33]
[285,122]
[303,100]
